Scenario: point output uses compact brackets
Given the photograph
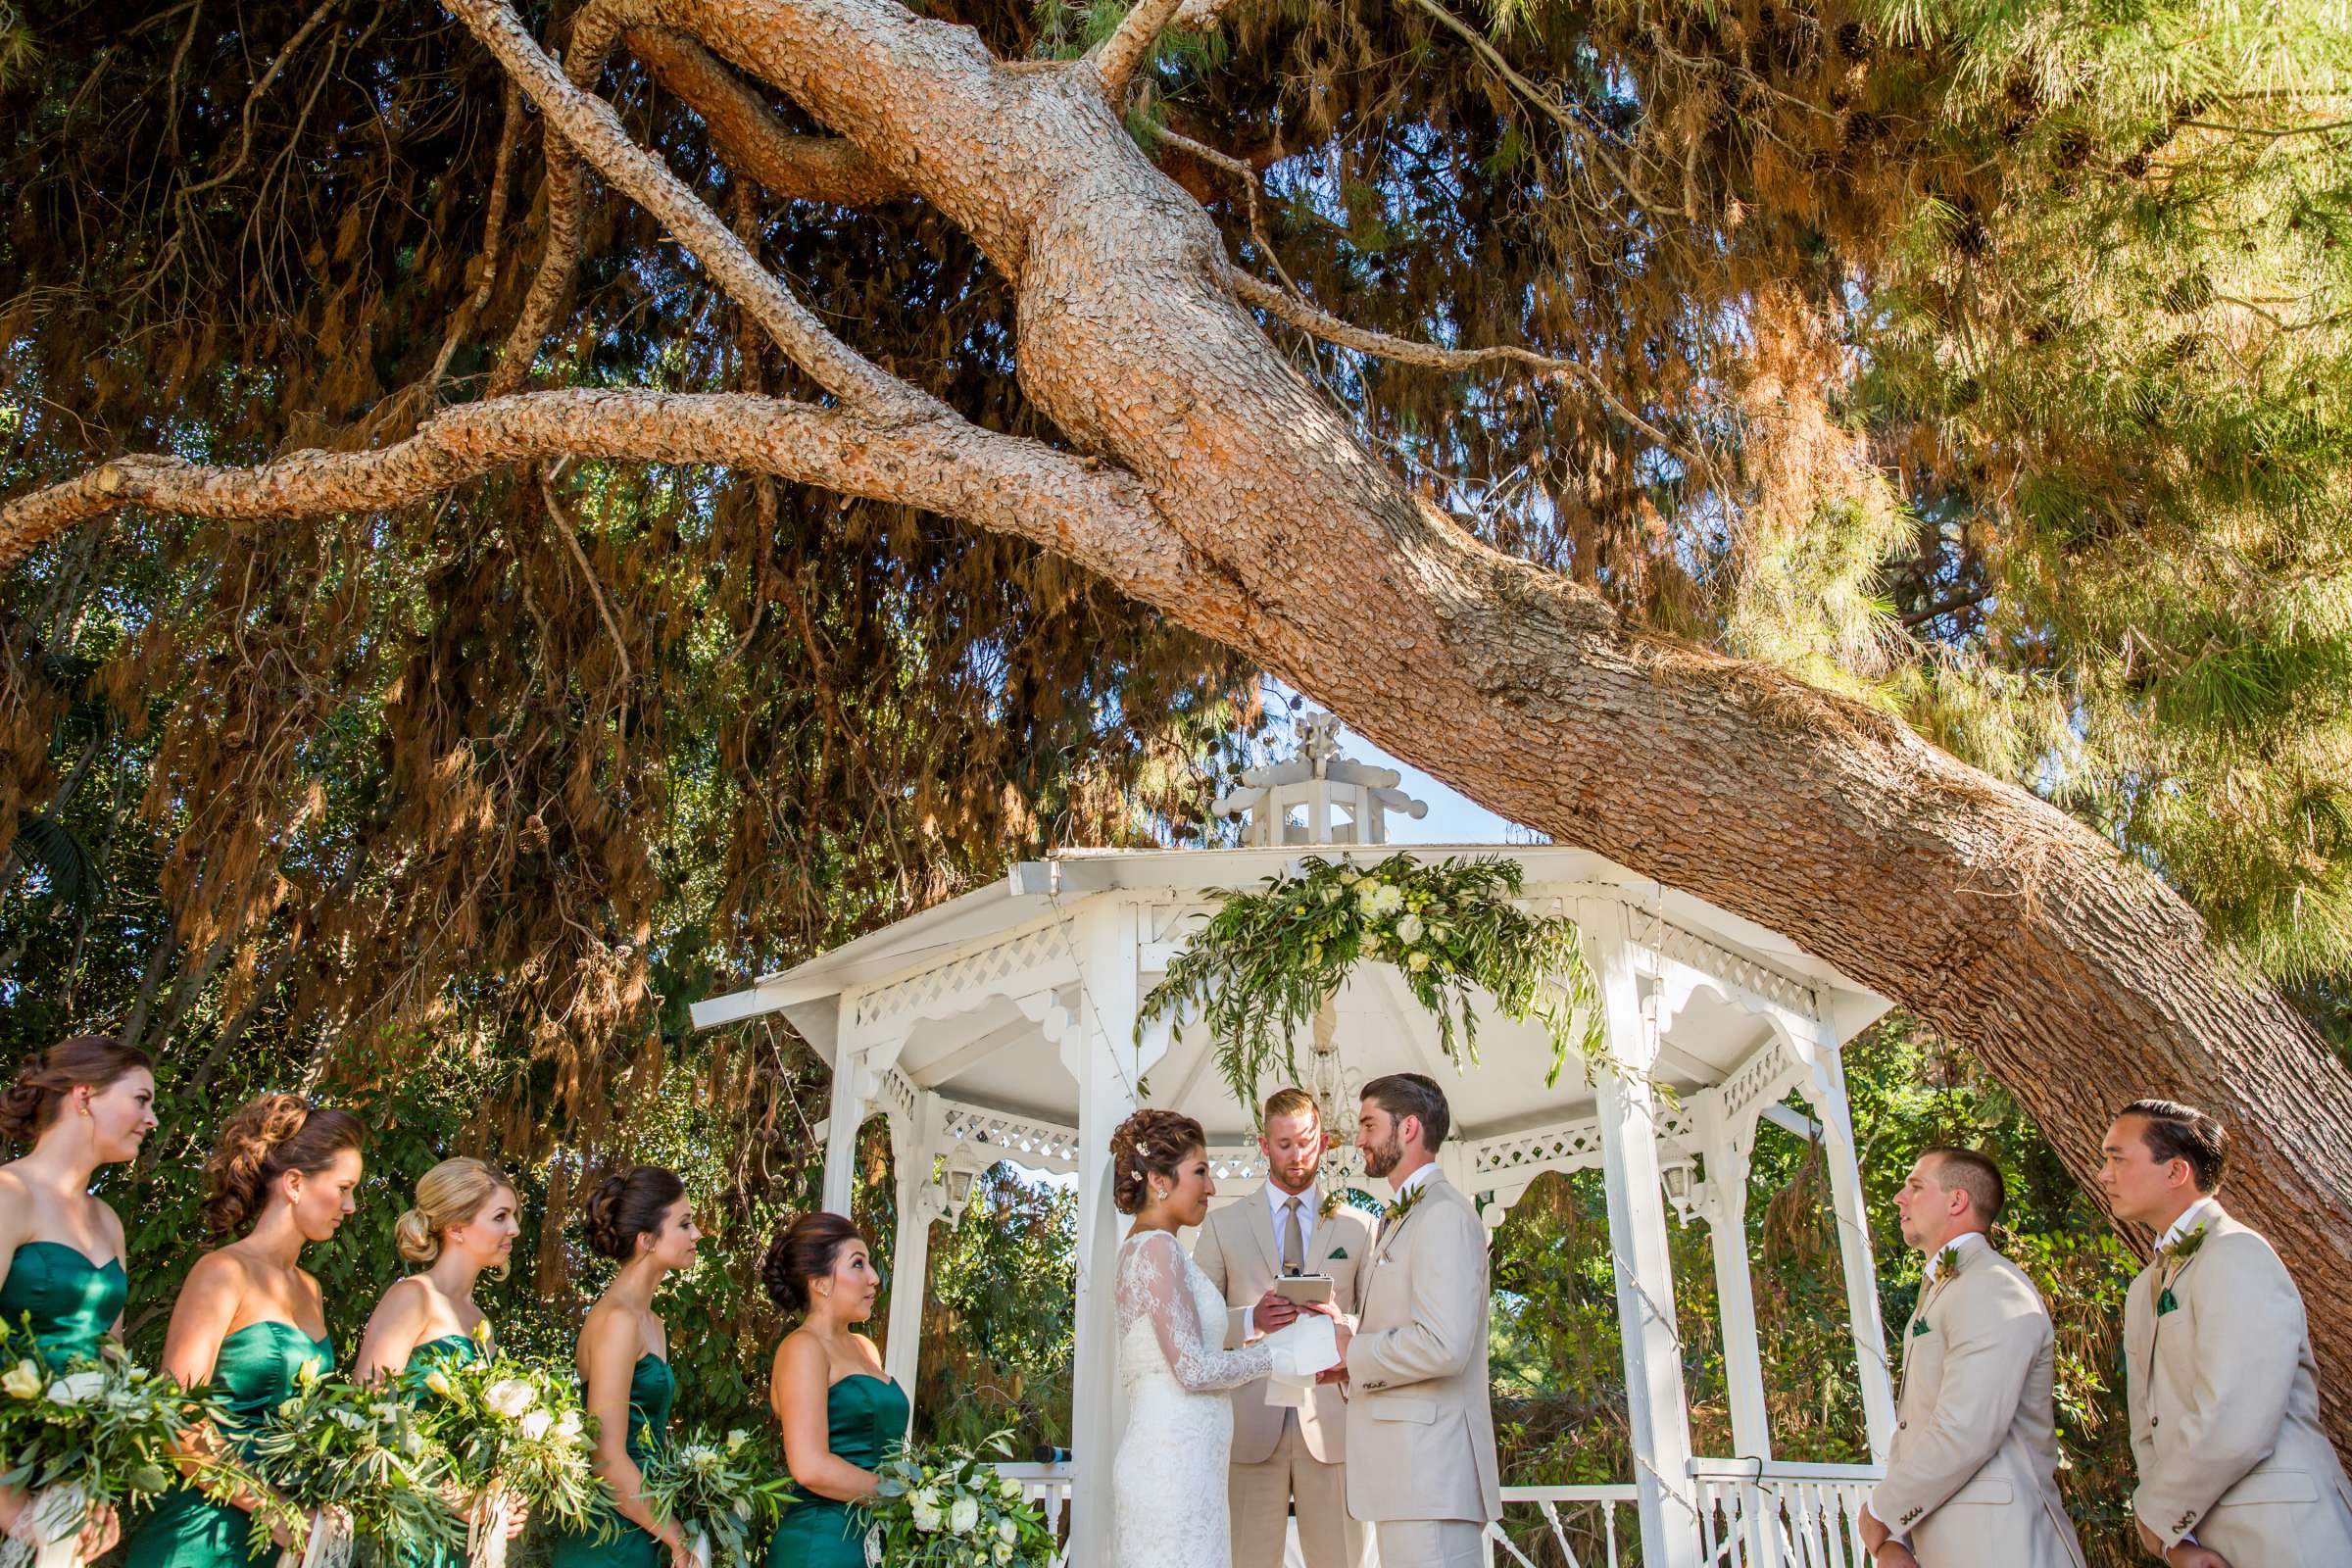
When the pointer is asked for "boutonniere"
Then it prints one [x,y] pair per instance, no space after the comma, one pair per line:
[1404,1205]
[1330,1205]
[1947,1263]
[2184,1246]
[2175,1256]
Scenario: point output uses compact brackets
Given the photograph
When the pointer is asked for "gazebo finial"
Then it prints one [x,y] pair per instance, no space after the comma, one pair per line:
[1334,800]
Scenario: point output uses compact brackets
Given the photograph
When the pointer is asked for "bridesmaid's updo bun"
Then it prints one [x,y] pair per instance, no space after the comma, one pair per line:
[1151,1142]
[627,1204]
[806,1249]
[270,1135]
[30,1103]
[450,1193]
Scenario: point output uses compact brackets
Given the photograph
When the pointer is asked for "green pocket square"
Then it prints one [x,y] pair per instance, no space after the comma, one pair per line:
[2165,1303]
[1919,1327]
[1337,1252]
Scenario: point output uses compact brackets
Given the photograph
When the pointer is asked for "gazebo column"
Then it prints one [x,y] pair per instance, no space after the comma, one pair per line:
[1727,1154]
[1657,1416]
[1853,1241]
[854,1086]
[921,1201]
[1098,1044]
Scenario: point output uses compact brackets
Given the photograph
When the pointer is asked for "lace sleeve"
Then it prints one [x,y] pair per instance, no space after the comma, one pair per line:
[1151,1282]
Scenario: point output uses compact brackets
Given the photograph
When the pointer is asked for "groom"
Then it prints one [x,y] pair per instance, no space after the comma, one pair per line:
[1421,1464]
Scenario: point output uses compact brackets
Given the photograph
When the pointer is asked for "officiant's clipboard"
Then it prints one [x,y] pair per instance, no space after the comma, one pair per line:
[1304,1290]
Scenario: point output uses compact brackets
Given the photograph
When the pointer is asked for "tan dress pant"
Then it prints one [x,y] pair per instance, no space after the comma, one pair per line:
[1432,1544]
[1261,1496]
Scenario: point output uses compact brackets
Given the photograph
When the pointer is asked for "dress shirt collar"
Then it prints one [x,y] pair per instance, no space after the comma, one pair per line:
[2201,1212]
[1966,1241]
[1417,1179]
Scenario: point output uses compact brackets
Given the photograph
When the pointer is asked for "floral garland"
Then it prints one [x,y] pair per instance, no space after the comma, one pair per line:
[1266,961]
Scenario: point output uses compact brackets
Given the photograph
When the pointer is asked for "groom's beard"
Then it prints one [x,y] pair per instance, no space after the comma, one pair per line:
[1382,1158]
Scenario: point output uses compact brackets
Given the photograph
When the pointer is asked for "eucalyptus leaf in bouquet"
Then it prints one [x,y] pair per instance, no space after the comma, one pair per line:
[89,1432]
[515,1429]
[331,1446]
[725,1492]
[949,1508]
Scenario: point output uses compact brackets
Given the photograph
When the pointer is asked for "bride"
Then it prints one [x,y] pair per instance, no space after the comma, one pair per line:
[1167,1480]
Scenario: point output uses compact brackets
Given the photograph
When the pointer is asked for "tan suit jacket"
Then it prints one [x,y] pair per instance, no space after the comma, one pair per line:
[1420,1428]
[2225,1404]
[1238,1250]
[1972,1476]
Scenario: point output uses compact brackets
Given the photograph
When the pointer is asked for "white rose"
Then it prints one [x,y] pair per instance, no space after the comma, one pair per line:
[535,1425]
[439,1380]
[1408,929]
[927,1514]
[963,1516]
[1384,898]
[737,1437]
[1007,1531]
[570,1427]
[509,1396]
[1417,962]
[1011,1488]
[76,1388]
[1001,1553]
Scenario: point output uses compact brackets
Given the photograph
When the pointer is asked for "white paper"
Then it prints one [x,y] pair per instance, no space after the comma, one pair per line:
[1307,1346]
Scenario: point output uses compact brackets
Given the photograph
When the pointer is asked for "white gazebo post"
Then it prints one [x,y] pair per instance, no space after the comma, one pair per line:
[1657,1417]
[921,1201]
[1729,1137]
[854,1088]
[1098,1048]
[1821,1055]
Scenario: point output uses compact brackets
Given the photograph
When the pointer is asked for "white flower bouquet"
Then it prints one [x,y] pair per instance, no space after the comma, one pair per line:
[97,1433]
[518,1440]
[359,1460]
[949,1508]
[725,1492]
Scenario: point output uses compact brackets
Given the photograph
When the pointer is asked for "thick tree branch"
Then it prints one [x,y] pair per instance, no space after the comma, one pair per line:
[1097,515]
[595,132]
[809,169]
[1117,58]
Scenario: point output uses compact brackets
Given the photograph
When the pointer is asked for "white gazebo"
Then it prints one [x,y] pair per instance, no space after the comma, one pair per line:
[1001,1026]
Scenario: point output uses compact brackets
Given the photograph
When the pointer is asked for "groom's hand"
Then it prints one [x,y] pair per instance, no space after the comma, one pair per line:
[1274,1311]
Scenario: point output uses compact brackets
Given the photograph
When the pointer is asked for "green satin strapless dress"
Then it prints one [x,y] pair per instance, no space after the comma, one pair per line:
[254,1371]
[650,1390]
[865,1417]
[71,1301]
[450,1349]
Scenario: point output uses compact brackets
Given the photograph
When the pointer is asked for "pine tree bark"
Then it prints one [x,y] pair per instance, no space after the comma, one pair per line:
[1218,486]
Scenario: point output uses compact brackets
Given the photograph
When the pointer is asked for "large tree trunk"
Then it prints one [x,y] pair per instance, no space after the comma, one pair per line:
[1244,506]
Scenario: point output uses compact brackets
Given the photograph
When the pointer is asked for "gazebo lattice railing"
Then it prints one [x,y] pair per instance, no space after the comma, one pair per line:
[1002,1026]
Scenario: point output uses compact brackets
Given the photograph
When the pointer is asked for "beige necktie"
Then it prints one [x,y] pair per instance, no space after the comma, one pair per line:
[1294,1249]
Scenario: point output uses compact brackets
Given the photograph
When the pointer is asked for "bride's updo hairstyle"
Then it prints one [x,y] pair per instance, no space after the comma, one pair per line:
[627,1204]
[270,1135]
[806,1249]
[450,1193]
[1151,1142]
[29,1105]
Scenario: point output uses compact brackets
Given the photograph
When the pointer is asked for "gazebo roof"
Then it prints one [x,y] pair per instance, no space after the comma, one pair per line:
[968,999]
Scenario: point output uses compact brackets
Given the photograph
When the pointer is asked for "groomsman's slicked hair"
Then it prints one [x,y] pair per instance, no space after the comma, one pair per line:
[2183,1132]
[1412,1093]
[1974,1174]
[1293,1101]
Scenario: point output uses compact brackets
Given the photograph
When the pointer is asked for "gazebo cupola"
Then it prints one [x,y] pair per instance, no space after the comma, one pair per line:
[1317,796]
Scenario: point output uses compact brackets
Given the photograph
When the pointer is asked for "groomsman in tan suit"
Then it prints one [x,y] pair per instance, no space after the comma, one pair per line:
[1972,1475]
[1285,1459]
[1421,1464]
[2234,1467]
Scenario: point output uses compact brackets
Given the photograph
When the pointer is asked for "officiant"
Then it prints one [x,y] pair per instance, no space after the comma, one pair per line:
[1286,1458]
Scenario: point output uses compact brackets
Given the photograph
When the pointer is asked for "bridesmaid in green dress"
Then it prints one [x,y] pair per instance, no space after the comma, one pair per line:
[82,1104]
[248,1317]
[463,1224]
[839,1414]
[642,1218]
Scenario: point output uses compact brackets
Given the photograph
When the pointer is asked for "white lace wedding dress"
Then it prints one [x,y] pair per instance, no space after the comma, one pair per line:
[1167,1481]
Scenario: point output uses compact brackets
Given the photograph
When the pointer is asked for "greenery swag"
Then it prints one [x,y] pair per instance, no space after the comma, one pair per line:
[1266,961]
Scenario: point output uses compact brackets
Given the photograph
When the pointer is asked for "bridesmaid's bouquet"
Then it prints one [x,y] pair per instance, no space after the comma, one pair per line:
[725,1492]
[91,1433]
[518,1440]
[949,1508]
[360,1465]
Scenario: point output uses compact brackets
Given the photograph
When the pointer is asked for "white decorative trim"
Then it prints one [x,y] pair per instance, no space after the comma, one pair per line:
[1022,962]
[988,1136]
[1761,980]
[1762,1079]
